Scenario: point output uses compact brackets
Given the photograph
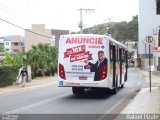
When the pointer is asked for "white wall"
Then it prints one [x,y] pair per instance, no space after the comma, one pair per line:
[7,45]
[53,40]
[148,20]
[33,39]
[1,40]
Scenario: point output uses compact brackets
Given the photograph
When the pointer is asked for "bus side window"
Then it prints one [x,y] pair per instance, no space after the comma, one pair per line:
[126,58]
[123,55]
[117,50]
[120,55]
[111,53]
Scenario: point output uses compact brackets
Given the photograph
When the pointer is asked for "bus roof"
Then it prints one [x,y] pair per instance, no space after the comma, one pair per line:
[116,42]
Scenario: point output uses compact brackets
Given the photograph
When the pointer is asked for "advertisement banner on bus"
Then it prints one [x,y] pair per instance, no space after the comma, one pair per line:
[84,57]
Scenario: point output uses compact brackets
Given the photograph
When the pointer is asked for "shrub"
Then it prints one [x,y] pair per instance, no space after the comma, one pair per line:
[8,74]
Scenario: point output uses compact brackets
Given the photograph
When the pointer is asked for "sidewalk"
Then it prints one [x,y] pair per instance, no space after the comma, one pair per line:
[29,85]
[146,102]
[155,79]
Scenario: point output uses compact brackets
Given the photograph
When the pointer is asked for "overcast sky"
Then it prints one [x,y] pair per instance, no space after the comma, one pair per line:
[62,14]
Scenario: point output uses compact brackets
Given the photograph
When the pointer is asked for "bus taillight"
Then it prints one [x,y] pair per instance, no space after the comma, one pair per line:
[103,74]
[62,72]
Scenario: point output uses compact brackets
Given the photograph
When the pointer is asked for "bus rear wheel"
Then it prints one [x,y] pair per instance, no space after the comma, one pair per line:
[78,90]
[122,86]
[114,91]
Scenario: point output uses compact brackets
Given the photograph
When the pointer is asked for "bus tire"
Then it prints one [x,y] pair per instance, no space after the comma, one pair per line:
[122,86]
[78,90]
[125,77]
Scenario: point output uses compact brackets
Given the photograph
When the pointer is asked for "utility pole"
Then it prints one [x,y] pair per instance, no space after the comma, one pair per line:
[81,21]
[149,40]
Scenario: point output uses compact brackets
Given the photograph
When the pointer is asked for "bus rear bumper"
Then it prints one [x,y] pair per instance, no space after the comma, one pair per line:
[94,84]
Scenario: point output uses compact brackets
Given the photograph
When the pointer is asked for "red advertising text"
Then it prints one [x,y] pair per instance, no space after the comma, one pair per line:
[85,40]
[78,53]
[82,56]
[75,50]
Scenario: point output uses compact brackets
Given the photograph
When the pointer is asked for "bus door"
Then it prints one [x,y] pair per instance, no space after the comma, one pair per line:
[122,65]
[118,64]
[126,64]
[113,64]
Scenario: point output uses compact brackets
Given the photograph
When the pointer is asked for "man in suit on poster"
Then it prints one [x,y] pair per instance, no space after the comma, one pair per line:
[97,67]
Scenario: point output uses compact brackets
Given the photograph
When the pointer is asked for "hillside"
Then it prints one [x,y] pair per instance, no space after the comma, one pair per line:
[122,31]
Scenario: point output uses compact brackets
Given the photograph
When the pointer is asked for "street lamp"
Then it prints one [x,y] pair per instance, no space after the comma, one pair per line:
[108,31]
[107,20]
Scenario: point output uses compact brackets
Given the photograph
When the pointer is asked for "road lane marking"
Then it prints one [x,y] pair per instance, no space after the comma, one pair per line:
[36,104]
[27,89]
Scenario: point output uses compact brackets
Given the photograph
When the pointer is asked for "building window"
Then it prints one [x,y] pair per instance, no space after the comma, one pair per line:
[7,50]
[15,50]
[16,43]
[53,40]
[158,7]
[1,47]
[7,43]
[159,38]
[23,50]
[22,43]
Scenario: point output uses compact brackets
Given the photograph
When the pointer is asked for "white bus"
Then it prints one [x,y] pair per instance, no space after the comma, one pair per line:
[91,61]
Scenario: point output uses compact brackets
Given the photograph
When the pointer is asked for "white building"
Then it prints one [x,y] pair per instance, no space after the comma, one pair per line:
[7,46]
[149,22]
[1,40]
[1,45]
[156,49]
[34,39]
[132,48]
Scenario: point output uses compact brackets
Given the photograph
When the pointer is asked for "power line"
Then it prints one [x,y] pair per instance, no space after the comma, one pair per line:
[10,11]
[25,29]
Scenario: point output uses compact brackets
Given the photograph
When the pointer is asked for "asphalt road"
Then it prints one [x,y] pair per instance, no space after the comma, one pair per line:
[52,100]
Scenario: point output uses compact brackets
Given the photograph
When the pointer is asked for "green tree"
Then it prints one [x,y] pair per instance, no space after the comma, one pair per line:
[118,30]
[43,59]
[8,59]
[17,59]
[132,29]
[122,31]
[1,47]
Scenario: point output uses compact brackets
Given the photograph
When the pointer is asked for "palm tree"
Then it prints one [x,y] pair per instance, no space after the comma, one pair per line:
[43,59]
